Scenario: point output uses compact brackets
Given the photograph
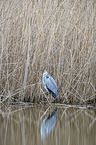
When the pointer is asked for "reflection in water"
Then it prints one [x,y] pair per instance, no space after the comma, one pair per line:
[48,124]
[22,125]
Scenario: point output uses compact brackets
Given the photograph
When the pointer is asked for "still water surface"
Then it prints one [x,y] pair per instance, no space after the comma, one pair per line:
[55,125]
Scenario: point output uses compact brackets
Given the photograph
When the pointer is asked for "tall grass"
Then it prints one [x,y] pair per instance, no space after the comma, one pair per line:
[58,36]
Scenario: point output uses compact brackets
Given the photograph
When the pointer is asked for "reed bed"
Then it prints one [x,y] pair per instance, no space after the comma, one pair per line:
[57,36]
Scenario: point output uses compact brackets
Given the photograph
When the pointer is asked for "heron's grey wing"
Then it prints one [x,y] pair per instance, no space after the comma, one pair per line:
[52,80]
[51,84]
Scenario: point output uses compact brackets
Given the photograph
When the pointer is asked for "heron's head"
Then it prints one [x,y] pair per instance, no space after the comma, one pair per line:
[45,72]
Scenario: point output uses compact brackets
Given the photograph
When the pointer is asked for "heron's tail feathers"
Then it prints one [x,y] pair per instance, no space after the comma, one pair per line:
[55,95]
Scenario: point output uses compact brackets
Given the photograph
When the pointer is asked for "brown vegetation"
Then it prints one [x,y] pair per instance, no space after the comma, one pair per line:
[58,36]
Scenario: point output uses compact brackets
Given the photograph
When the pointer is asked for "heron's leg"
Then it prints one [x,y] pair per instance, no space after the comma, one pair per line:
[49,100]
[50,97]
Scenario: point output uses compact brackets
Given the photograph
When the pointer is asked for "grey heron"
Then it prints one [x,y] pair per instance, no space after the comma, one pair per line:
[50,84]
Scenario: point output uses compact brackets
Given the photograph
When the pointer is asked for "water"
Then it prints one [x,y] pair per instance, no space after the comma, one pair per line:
[61,125]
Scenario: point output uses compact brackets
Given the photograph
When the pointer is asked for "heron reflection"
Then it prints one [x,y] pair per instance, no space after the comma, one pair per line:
[48,124]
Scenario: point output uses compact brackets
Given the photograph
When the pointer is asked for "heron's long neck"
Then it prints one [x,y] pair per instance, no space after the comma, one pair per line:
[44,78]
